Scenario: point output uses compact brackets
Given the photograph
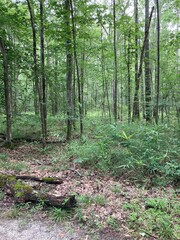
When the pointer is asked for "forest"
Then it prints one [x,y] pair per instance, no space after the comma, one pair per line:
[90,115]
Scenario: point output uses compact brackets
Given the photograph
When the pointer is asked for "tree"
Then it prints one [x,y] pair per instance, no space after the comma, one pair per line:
[136,97]
[7,90]
[147,67]
[156,111]
[43,78]
[35,65]
[136,101]
[69,66]
[115,97]
[77,68]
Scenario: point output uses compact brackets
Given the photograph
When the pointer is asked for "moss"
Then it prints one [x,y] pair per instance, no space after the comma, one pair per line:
[6,179]
[48,179]
[3,180]
[21,190]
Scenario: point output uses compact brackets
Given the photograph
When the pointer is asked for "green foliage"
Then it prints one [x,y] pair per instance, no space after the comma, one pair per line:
[3,157]
[138,149]
[159,218]
[18,167]
[60,215]
[86,200]
[113,223]
[1,195]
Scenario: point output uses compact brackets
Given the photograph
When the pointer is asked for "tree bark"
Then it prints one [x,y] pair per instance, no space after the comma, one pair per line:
[115,98]
[77,68]
[129,78]
[156,112]
[7,88]
[136,94]
[136,104]
[35,66]
[69,63]
[147,67]
[23,193]
[43,78]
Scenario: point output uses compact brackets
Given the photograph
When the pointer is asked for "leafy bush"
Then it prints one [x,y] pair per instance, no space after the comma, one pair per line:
[140,150]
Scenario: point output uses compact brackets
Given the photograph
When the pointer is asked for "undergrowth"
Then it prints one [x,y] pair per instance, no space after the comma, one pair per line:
[157,218]
[140,150]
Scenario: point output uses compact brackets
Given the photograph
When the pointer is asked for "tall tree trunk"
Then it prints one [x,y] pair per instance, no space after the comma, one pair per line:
[156,112]
[43,78]
[35,67]
[136,100]
[69,63]
[115,65]
[103,74]
[7,93]
[136,94]
[77,68]
[147,67]
[129,78]
[82,78]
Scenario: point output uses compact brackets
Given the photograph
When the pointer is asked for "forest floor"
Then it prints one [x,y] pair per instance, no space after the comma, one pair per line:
[108,208]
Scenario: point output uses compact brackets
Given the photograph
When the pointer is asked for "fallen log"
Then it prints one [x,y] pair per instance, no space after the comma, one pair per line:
[22,193]
[48,180]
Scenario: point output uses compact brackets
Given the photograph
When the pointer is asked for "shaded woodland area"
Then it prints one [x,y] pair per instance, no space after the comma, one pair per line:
[118,59]
[89,95]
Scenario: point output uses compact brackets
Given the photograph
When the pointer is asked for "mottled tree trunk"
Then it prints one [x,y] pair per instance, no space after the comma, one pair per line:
[156,111]
[136,94]
[43,78]
[69,63]
[77,68]
[115,98]
[35,67]
[147,67]
[7,92]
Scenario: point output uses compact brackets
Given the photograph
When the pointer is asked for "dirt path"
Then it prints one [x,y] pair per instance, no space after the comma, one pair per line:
[22,229]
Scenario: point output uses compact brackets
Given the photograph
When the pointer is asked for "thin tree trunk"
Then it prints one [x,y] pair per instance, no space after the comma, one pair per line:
[35,67]
[77,68]
[156,113]
[115,65]
[68,71]
[82,78]
[147,67]
[136,94]
[7,93]
[136,104]
[43,78]
[129,78]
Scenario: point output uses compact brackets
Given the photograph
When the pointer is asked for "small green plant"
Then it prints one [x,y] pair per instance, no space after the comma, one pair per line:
[116,189]
[88,200]
[3,157]
[157,203]
[99,200]
[113,223]
[60,215]
[85,200]
[18,167]
[13,212]
[1,195]
[79,215]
